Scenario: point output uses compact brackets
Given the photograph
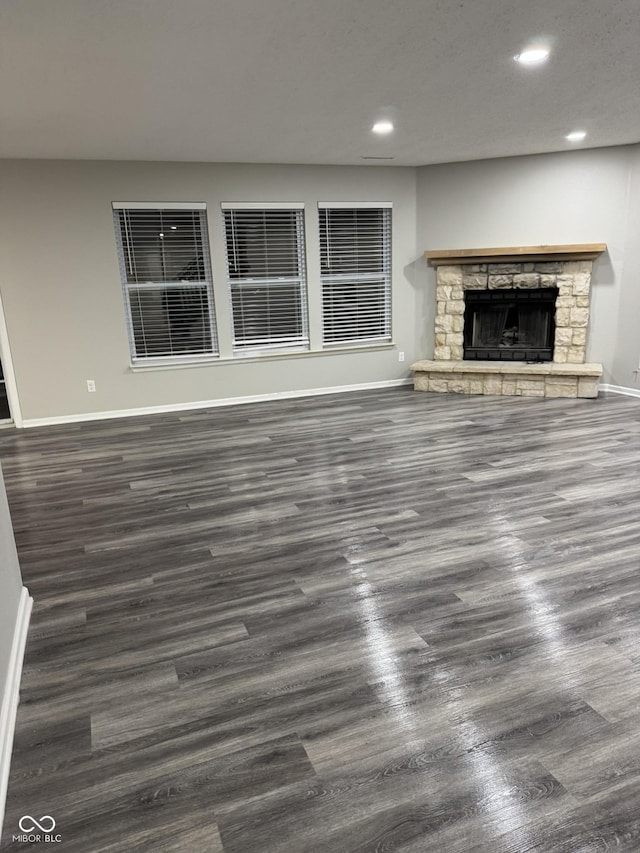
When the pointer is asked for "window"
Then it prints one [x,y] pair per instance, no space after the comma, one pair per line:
[355,269]
[166,276]
[267,278]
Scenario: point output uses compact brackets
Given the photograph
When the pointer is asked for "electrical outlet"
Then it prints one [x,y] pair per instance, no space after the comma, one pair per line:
[400,356]
[91,385]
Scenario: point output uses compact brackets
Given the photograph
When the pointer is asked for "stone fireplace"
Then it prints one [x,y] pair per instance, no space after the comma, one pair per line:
[512,321]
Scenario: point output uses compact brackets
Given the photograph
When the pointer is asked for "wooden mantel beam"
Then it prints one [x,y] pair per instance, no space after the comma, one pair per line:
[569,252]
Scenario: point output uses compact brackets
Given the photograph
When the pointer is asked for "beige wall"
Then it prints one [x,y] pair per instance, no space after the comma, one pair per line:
[10,590]
[572,197]
[626,360]
[62,294]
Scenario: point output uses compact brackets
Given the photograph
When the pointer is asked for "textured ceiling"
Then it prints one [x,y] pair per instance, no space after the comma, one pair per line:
[302,81]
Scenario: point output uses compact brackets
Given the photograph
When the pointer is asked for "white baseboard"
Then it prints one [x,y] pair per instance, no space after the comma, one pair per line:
[620,389]
[11,694]
[210,404]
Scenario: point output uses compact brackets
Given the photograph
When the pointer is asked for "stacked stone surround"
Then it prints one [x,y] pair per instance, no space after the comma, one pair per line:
[567,376]
[571,278]
[508,378]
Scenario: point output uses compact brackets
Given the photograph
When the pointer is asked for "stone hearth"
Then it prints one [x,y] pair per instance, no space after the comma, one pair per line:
[564,268]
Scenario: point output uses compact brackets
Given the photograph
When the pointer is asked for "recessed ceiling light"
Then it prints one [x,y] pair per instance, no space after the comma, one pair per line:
[532,55]
[382,127]
[174,227]
[576,135]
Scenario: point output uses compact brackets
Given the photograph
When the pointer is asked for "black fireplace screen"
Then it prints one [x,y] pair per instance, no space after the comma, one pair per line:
[509,325]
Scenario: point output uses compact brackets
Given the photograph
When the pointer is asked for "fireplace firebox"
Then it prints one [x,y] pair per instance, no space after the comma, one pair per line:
[509,324]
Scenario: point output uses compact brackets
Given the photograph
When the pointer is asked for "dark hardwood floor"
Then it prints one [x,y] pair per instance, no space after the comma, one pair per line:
[381,621]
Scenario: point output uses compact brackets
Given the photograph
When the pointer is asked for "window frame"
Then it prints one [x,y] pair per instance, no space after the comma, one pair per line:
[370,277]
[204,285]
[236,283]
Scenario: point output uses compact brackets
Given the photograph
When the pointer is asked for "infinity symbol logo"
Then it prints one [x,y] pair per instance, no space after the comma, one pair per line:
[28,823]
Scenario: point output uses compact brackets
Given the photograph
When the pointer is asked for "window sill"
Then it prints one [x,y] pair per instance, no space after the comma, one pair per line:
[256,359]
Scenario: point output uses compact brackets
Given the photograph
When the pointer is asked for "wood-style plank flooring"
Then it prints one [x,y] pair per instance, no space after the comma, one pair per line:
[380,621]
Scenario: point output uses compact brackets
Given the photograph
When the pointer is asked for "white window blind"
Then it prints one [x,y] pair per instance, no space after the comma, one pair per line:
[355,269]
[166,277]
[267,278]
